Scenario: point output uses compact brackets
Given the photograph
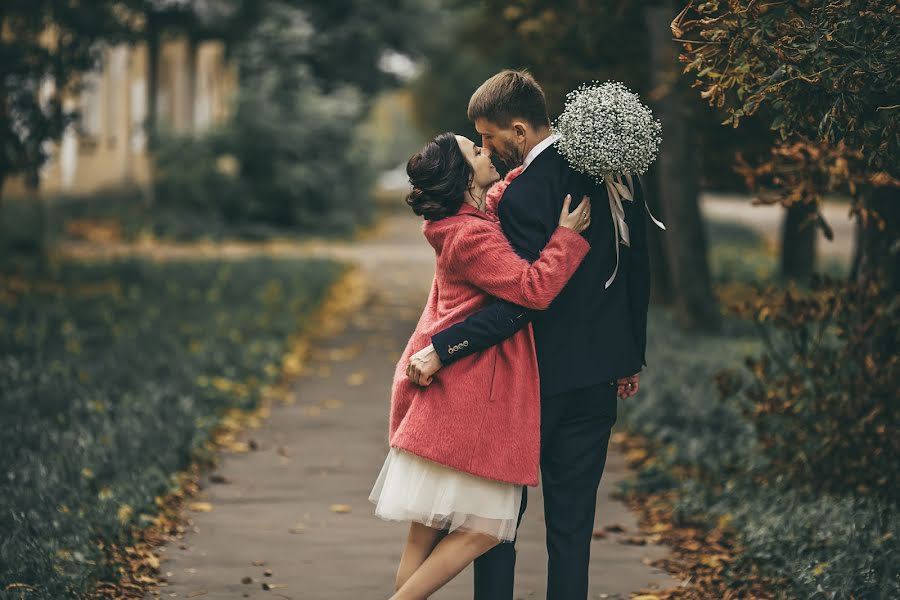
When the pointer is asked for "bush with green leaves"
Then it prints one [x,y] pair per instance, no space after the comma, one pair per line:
[728,459]
[112,377]
[823,394]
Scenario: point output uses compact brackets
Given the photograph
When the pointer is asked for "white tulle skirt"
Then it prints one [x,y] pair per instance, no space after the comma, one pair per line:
[411,488]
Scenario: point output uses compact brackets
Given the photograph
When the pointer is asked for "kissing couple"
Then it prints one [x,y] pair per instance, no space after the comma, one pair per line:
[534,327]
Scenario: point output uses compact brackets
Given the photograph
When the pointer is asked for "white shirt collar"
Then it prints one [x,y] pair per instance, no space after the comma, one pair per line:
[546,143]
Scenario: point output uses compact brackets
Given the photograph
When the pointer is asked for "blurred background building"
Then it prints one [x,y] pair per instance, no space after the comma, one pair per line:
[190,91]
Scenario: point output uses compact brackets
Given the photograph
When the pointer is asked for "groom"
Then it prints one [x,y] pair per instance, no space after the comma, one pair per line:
[590,342]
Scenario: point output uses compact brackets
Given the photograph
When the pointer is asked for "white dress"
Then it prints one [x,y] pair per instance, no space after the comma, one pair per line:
[411,488]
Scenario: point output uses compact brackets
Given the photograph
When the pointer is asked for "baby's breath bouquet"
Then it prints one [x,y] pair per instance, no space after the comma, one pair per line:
[606,132]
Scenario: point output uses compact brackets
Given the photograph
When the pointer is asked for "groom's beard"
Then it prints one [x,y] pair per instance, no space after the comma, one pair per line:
[512,157]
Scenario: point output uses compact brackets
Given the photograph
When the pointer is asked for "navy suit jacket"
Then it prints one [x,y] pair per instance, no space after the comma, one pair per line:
[589,334]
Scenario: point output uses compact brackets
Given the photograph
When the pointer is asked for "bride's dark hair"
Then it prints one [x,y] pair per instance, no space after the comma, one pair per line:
[440,176]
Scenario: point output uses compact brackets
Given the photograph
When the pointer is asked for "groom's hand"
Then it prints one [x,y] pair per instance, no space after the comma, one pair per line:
[628,386]
[423,365]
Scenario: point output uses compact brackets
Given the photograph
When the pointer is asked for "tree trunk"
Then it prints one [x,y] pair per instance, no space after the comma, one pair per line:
[877,256]
[153,39]
[798,242]
[660,280]
[685,238]
[2,231]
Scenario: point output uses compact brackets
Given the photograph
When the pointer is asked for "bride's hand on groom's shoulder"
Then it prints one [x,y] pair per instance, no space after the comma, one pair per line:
[628,386]
[423,365]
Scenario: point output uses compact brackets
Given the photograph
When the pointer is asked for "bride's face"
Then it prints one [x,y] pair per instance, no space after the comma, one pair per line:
[480,160]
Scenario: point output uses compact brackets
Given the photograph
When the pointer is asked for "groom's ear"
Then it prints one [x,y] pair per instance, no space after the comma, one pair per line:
[520,128]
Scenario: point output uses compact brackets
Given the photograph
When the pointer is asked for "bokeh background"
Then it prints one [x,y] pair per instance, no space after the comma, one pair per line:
[209,132]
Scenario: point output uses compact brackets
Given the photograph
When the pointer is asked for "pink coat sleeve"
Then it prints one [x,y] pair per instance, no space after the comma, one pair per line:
[481,254]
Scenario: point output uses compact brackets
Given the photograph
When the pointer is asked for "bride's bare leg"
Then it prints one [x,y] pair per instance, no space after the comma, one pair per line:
[446,561]
[419,544]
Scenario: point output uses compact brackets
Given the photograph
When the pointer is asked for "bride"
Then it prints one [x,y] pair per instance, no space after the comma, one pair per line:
[462,448]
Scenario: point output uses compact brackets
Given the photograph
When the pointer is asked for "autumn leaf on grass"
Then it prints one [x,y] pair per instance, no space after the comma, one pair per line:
[124,513]
[200,506]
[340,508]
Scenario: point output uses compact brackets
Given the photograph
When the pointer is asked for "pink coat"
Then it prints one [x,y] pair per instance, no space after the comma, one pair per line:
[481,414]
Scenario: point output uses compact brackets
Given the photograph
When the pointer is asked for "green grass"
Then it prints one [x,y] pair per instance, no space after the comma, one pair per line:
[836,547]
[22,222]
[111,377]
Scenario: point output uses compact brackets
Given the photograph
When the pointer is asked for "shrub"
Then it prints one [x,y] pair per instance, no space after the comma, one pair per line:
[823,396]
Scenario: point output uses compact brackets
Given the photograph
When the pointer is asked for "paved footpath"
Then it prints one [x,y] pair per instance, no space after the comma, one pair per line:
[298,506]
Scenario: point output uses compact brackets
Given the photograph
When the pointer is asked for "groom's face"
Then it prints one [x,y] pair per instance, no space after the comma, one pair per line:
[505,143]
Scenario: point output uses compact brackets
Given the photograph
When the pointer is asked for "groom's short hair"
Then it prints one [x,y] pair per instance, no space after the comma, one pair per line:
[509,95]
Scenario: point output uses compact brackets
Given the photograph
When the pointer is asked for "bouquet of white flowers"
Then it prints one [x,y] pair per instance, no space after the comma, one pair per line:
[606,132]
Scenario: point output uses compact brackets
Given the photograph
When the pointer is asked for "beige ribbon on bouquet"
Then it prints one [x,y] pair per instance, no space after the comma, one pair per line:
[616,192]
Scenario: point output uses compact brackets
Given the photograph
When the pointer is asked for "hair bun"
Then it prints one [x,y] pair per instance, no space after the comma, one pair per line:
[439,175]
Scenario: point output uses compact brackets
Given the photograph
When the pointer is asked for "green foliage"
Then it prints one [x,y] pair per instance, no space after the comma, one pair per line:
[823,545]
[726,460]
[823,396]
[111,378]
[824,72]
[827,68]
[294,155]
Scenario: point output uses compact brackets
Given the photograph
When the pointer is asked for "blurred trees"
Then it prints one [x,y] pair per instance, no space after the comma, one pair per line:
[293,154]
[308,72]
[827,74]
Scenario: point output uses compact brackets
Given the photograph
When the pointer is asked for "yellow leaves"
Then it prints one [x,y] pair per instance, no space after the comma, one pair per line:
[819,569]
[94,230]
[105,493]
[87,473]
[124,514]
[635,456]
[715,560]
[340,508]
[724,520]
[356,379]
[200,506]
[332,403]
[646,597]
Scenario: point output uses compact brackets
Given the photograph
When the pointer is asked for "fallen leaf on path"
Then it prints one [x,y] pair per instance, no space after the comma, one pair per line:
[332,403]
[273,586]
[615,528]
[197,593]
[216,478]
[598,534]
[283,451]
[237,447]
[258,563]
[200,506]
[356,379]
[634,541]
[340,508]
[246,580]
